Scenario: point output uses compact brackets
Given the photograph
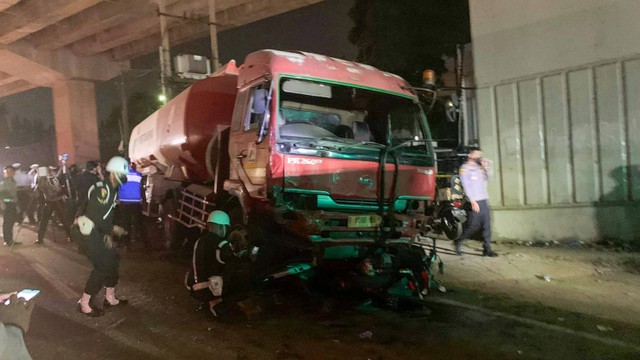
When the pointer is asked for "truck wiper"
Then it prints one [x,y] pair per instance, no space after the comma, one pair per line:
[407,143]
[370,143]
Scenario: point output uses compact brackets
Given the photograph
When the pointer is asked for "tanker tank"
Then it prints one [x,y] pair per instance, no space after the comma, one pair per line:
[174,139]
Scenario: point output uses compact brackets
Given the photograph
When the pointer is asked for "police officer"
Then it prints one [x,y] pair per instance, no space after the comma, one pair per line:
[24,193]
[103,256]
[475,174]
[211,253]
[50,191]
[130,204]
[33,196]
[9,196]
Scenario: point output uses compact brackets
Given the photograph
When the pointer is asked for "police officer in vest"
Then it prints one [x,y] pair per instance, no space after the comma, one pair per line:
[130,204]
[211,254]
[475,174]
[9,198]
[97,223]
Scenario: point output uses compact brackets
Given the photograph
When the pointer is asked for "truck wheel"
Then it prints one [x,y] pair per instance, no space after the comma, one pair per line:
[174,235]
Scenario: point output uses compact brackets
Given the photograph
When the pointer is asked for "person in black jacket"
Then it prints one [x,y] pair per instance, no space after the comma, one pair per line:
[211,254]
[51,192]
[86,179]
[98,223]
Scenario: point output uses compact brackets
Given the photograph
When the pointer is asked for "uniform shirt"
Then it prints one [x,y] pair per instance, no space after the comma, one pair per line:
[33,176]
[22,179]
[474,180]
[131,191]
[102,200]
[8,189]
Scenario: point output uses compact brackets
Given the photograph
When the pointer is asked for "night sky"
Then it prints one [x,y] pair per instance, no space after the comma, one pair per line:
[322,28]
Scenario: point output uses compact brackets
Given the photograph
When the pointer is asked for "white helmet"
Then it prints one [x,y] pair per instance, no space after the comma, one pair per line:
[219,217]
[118,165]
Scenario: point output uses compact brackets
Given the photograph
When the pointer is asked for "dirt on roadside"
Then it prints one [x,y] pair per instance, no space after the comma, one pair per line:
[596,282]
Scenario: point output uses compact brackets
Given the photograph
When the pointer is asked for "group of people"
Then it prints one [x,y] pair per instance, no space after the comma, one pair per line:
[45,191]
[86,198]
[40,193]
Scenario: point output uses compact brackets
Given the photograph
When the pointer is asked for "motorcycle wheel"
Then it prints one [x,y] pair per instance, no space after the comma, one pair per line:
[451,226]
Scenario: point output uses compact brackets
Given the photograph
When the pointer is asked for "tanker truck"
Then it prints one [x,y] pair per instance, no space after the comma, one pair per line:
[325,167]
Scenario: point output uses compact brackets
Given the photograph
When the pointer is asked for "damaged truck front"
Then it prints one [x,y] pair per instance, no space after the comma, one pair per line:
[326,164]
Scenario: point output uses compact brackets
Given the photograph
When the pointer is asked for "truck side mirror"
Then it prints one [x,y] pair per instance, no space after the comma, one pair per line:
[452,108]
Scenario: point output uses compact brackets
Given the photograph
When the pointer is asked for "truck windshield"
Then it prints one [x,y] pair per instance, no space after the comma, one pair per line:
[351,115]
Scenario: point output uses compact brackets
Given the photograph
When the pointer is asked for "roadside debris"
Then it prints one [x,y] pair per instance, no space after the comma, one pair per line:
[366,335]
[546,278]
[604,328]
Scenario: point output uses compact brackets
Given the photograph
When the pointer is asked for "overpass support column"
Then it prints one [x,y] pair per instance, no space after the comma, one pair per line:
[76,120]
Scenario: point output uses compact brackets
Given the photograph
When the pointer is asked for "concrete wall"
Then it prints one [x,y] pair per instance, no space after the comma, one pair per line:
[558,112]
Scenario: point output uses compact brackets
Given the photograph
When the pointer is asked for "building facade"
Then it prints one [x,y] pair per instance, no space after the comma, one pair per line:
[558,111]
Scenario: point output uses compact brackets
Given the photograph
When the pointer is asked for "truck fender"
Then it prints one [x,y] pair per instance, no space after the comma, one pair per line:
[237,189]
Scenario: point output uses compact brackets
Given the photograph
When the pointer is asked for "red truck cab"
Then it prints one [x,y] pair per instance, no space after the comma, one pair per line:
[307,140]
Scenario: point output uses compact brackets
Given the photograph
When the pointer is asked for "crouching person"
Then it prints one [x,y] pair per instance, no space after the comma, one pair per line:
[212,253]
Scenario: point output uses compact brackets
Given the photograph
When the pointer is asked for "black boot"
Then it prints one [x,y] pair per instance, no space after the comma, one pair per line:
[489,253]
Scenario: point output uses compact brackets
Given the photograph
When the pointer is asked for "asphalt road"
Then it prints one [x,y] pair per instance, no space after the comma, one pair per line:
[161,322]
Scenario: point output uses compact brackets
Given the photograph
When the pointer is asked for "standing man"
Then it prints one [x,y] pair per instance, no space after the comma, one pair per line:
[33,195]
[51,191]
[475,174]
[86,180]
[130,204]
[24,193]
[9,196]
[102,252]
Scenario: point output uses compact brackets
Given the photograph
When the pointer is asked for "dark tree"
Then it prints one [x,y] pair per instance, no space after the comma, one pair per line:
[406,37]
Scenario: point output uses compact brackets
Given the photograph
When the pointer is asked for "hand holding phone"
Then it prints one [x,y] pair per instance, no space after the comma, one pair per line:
[26,294]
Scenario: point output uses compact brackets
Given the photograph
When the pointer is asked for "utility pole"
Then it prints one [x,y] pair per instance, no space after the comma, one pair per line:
[213,34]
[165,53]
[462,138]
[124,115]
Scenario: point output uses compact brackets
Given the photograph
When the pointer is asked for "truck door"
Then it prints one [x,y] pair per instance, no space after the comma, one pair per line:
[249,158]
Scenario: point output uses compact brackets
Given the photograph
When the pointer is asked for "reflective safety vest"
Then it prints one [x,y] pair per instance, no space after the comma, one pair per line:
[131,191]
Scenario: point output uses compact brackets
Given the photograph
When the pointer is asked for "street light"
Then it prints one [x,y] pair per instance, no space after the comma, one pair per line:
[162,98]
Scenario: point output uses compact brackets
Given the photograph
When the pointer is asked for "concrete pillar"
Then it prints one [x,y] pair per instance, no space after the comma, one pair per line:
[76,121]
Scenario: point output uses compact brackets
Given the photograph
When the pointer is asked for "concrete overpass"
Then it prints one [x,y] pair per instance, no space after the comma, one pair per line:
[68,45]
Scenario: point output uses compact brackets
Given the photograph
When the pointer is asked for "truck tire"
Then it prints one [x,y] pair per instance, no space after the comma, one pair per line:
[174,235]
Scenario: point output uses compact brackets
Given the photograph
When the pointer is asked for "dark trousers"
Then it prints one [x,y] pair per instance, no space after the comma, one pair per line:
[48,209]
[477,220]
[24,200]
[9,218]
[129,216]
[105,263]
